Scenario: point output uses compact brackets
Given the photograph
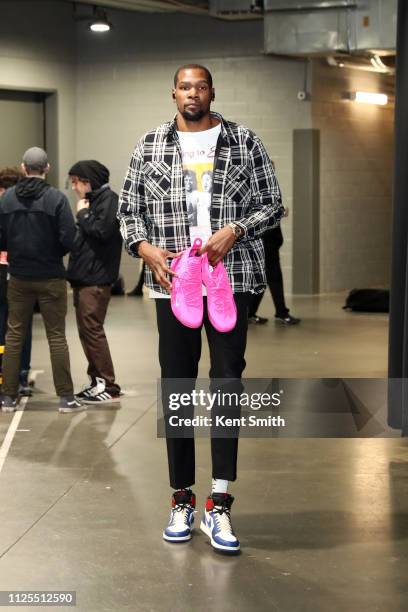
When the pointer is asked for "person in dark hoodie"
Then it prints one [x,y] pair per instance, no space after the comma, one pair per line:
[9,177]
[37,229]
[92,269]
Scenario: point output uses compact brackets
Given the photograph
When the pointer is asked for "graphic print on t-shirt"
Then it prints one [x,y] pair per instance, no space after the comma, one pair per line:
[198,149]
[198,183]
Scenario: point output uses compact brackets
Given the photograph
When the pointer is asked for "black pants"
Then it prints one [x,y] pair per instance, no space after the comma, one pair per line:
[273,240]
[179,355]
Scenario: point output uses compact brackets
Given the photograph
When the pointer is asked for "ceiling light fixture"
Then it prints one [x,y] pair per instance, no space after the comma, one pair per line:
[366,97]
[100,21]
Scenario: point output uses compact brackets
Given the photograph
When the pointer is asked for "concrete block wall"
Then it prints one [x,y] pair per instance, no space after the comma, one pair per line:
[37,52]
[356,178]
[124,86]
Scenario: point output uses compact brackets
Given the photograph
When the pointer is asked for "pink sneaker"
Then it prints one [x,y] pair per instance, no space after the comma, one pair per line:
[186,294]
[221,307]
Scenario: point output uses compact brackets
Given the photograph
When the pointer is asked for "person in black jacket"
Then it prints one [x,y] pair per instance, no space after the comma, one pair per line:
[92,269]
[9,177]
[272,241]
[36,229]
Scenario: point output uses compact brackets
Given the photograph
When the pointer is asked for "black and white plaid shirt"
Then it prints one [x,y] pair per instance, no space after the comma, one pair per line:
[152,203]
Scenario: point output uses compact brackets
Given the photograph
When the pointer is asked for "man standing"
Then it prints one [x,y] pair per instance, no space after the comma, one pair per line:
[37,230]
[272,241]
[155,225]
[8,178]
[92,269]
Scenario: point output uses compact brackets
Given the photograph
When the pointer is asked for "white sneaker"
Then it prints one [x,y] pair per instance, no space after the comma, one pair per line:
[216,523]
[181,517]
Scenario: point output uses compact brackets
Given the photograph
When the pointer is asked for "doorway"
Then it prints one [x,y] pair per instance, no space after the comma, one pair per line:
[28,119]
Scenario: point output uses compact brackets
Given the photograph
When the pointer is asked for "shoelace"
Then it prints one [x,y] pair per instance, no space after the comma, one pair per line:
[87,387]
[221,298]
[222,293]
[182,509]
[222,517]
[192,296]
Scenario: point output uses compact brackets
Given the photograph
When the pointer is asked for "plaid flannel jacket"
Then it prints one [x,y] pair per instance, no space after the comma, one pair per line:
[152,203]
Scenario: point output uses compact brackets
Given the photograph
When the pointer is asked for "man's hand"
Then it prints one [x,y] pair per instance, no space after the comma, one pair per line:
[155,258]
[81,204]
[218,245]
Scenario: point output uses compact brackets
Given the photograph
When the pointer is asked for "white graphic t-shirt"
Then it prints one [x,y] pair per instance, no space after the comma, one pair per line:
[198,150]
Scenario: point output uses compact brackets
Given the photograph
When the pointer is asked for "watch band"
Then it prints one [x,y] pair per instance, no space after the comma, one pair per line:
[237,229]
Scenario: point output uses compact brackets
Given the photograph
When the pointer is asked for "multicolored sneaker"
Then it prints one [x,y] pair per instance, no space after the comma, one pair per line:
[221,307]
[181,517]
[186,294]
[216,523]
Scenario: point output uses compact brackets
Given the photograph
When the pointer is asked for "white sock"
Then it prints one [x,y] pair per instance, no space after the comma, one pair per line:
[219,486]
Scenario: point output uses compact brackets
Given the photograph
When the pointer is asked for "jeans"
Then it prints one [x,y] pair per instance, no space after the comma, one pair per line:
[25,364]
[51,295]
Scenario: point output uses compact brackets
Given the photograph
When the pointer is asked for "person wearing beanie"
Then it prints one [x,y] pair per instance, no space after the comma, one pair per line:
[92,269]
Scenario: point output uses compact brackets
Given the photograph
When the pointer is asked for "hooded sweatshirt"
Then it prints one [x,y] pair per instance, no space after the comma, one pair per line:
[95,256]
[37,229]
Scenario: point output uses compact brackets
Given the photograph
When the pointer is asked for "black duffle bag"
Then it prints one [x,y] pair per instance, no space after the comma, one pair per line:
[368,300]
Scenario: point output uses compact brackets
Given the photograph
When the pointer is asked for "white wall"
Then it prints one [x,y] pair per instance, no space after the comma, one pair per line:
[357,145]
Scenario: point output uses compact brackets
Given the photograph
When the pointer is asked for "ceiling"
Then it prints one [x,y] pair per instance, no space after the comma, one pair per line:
[196,7]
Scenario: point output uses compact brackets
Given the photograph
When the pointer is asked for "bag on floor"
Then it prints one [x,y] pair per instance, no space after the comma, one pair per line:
[368,300]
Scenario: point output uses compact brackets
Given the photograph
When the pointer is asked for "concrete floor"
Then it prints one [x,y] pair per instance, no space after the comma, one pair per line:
[323,522]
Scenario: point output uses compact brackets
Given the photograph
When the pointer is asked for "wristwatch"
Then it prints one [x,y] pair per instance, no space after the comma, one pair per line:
[237,229]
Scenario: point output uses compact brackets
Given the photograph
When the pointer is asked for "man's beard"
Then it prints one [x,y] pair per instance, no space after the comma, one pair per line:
[193,116]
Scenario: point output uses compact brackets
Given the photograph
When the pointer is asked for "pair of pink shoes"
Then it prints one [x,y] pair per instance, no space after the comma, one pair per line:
[186,296]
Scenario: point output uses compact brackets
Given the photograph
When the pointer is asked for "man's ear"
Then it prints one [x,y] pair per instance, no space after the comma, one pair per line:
[212,95]
[47,169]
[173,94]
[23,169]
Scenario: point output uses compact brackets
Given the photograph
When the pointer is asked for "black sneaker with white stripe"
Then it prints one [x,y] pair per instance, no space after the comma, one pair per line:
[97,394]
[86,391]
[69,403]
[104,397]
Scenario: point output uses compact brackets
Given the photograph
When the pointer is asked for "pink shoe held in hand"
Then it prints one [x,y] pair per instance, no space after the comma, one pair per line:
[221,307]
[186,293]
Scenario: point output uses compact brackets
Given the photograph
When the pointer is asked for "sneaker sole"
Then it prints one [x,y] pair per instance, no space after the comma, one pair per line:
[71,410]
[280,322]
[3,409]
[177,538]
[90,402]
[215,545]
